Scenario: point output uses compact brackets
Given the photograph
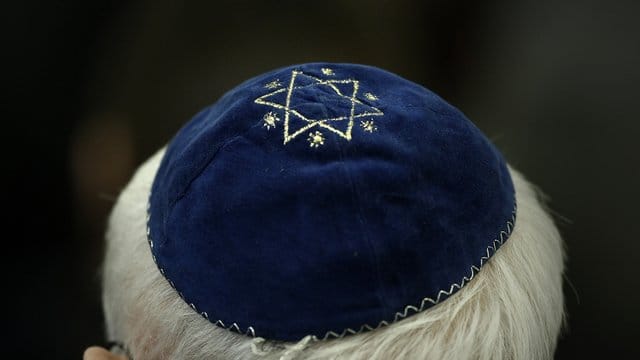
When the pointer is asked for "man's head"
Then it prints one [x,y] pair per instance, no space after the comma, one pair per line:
[273,227]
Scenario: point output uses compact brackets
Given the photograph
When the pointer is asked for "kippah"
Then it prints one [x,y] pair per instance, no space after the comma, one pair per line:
[326,199]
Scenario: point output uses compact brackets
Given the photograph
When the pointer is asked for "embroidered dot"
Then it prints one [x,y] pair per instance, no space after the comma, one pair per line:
[368,126]
[273,84]
[327,71]
[269,120]
[315,139]
[370,96]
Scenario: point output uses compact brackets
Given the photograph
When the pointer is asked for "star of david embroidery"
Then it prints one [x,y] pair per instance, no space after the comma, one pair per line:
[309,102]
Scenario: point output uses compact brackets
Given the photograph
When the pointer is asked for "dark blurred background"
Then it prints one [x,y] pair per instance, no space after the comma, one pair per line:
[92,88]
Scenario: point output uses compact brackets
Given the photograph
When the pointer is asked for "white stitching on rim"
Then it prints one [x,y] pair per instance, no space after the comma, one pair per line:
[491,249]
[233,327]
[503,236]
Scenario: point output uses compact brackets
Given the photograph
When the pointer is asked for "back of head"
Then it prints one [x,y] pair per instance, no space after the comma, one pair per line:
[176,287]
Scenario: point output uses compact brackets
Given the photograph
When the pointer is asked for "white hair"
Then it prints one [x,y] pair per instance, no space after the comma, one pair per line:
[512,309]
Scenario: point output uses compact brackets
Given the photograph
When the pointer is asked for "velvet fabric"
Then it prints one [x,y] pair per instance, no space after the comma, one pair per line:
[323,197]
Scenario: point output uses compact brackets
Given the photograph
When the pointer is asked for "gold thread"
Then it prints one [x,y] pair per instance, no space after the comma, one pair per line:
[356,85]
[269,120]
[273,84]
[370,96]
[327,71]
[368,126]
[286,108]
[324,123]
[315,139]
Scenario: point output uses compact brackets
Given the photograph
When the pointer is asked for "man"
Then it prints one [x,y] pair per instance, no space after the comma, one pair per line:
[331,211]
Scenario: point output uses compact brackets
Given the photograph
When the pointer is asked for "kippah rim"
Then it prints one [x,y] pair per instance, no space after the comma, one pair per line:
[503,236]
[425,303]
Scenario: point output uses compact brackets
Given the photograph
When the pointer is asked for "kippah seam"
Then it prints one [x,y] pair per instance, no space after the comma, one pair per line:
[204,167]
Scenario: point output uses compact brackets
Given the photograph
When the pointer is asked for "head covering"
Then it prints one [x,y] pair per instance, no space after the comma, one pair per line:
[326,199]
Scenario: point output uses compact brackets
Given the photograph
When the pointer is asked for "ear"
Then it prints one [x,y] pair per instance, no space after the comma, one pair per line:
[98,353]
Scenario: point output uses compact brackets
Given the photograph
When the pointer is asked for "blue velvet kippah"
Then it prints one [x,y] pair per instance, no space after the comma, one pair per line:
[325,200]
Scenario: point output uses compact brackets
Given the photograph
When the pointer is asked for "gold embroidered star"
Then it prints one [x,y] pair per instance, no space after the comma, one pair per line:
[315,139]
[370,96]
[269,120]
[327,71]
[368,126]
[274,84]
[300,117]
